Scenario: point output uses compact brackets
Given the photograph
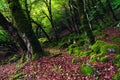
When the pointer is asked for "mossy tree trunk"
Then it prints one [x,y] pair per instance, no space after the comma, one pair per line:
[25,28]
[12,31]
[84,20]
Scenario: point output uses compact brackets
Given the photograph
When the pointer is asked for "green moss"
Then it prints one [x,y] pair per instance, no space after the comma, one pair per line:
[93,57]
[101,48]
[73,48]
[86,69]
[96,47]
[105,48]
[104,59]
[85,53]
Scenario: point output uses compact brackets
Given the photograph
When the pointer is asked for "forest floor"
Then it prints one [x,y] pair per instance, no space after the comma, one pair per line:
[61,67]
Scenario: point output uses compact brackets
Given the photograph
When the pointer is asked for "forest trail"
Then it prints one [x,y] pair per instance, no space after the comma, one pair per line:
[63,66]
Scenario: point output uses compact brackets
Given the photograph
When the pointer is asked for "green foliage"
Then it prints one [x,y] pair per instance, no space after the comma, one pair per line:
[18,76]
[85,53]
[116,60]
[42,40]
[116,4]
[86,69]
[14,58]
[93,57]
[104,59]
[96,47]
[3,36]
[116,76]
[105,48]
[116,39]
[73,48]
[101,36]
[101,48]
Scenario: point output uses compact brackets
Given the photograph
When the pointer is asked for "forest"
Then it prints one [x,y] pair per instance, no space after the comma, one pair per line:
[59,39]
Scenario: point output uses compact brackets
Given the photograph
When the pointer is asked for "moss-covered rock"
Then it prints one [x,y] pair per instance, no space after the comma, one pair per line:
[96,47]
[109,48]
[101,48]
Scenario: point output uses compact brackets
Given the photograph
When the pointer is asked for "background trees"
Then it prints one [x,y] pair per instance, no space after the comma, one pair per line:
[50,19]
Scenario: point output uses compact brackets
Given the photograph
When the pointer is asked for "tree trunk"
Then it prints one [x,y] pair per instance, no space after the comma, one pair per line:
[50,17]
[12,31]
[84,21]
[42,30]
[25,28]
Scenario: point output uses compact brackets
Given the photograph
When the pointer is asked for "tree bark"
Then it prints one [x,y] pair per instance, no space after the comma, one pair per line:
[12,31]
[84,21]
[42,30]
[50,17]
[25,28]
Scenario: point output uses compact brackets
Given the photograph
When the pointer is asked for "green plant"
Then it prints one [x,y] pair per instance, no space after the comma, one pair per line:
[116,76]
[43,40]
[85,53]
[93,57]
[14,58]
[101,48]
[96,47]
[4,36]
[104,59]
[116,60]
[86,69]
[116,39]
[18,76]
[73,48]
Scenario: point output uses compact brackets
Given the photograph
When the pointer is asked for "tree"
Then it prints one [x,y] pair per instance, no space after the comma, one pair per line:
[25,28]
[84,20]
[12,31]
[50,16]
